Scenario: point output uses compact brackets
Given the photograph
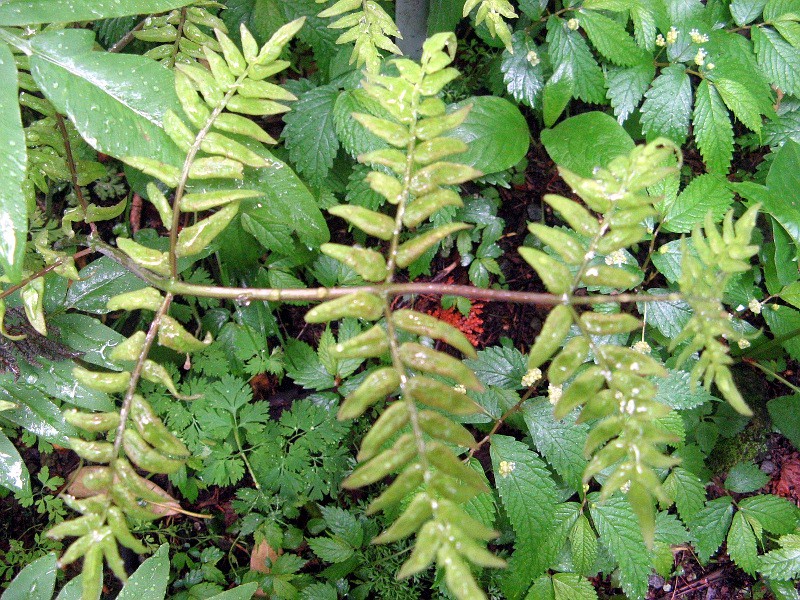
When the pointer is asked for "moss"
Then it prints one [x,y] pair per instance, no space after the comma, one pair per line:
[744,447]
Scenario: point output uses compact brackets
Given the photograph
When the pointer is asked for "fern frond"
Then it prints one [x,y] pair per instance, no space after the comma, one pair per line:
[492,12]
[369,26]
[616,390]
[409,438]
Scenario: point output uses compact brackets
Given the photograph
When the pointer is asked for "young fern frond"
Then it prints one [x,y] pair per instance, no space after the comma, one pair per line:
[616,389]
[369,26]
[492,12]
[409,437]
[235,82]
[719,256]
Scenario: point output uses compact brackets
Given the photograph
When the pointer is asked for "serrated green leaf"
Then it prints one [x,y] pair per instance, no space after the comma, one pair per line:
[703,194]
[499,366]
[776,515]
[668,316]
[667,108]
[620,534]
[583,542]
[783,563]
[310,134]
[331,550]
[785,414]
[610,38]
[740,99]
[13,161]
[688,492]
[783,321]
[779,60]
[713,131]
[560,442]
[569,586]
[354,137]
[745,11]
[627,85]
[742,545]
[569,49]
[710,526]
[523,71]
[674,390]
[744,478]
[529,496]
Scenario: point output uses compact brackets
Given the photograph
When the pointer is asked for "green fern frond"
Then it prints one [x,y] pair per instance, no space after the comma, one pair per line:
[369,26]
[492,12]
[414,435]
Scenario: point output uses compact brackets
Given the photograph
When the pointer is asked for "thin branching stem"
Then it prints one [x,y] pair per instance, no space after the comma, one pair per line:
[128,37]
[180,288]
[41,273]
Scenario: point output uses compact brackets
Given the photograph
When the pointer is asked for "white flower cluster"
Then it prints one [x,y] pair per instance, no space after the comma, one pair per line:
[616,258]
[533,58]
[506,468]
[643,347]
[754,306]
[554,393]
[531,377]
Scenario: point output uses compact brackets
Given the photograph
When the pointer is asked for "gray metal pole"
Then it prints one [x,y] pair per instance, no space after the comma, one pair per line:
[411,17]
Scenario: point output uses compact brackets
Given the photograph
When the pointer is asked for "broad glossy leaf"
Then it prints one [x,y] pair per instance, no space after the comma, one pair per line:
[13,205]
[88,335]
[149,582]
[116,101]
[100,280]
[13,472]
[34,582]
[783,181]
[495,131]
[586,141]
[35,413]
[523,72]
[32,12]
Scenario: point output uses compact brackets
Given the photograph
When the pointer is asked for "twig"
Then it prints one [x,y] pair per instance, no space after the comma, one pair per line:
[73,171]
[8,291]
[127,38]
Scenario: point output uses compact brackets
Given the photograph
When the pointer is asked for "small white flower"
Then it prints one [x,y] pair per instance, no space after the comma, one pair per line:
[533,58]
[710,66]
[554,393]
[616,258]
[626,487]
[700,57]
[573,24]
[660,41]
[507,467]
[460,388]
[754,306]
[672,35]
[643,347]
[531,377]
[697,37]
[743,343]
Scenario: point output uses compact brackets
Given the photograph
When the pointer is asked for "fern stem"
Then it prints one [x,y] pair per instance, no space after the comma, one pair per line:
[187,164]
[136,374]
[243,454]
[319,294]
